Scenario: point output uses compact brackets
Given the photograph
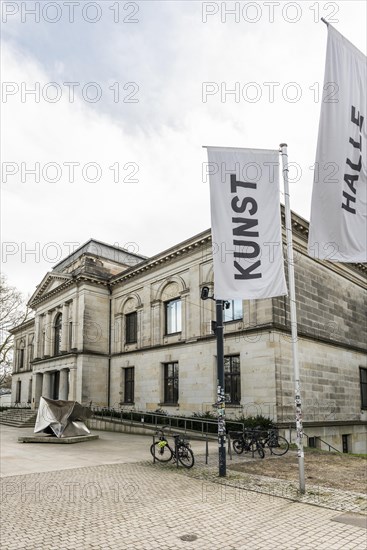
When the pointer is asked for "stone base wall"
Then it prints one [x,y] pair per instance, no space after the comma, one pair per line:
[93,380]
[329,375]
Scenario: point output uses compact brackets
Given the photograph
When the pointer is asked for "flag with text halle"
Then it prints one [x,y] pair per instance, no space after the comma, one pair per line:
[338,229]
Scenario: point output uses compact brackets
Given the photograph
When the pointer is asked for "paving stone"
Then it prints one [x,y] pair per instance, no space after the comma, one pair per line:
[138,505]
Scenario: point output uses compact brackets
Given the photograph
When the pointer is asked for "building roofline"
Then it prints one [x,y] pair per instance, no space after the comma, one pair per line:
[300,224]
[98,242]
[24,325]
[176,250]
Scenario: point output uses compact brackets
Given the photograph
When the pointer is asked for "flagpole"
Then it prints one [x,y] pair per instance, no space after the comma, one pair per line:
[292,299]
[221,401]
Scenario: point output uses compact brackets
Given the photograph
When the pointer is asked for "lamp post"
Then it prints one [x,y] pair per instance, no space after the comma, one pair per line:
[221,401]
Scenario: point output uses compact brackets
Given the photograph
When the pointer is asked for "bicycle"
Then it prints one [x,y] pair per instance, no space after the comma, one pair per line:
[277,444]
[163,452]
[248,441]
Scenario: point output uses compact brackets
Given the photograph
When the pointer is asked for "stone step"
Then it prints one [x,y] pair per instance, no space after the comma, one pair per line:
[24,418]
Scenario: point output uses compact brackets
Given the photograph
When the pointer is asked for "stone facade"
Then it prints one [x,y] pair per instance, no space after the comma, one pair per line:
[121,330]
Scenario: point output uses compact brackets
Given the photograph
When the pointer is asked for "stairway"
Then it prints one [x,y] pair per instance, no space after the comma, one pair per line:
[18,418]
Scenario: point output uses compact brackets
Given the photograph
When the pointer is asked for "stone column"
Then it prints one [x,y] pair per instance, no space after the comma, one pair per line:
[72,384]
[74,321]
[37,390]
[48,335]
[156,329]
[36,350]
[46,385]
[184,313]
[140,335]
[64,328]
[117,332]
[63,384]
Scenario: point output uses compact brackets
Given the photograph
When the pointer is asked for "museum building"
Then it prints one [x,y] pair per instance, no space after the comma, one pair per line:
[114,328]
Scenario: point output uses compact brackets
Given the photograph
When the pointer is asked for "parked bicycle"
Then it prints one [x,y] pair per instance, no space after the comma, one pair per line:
[181,452]
[277,444]
[248,442]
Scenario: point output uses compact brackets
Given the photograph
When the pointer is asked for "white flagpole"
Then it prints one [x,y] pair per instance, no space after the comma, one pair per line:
[292,299]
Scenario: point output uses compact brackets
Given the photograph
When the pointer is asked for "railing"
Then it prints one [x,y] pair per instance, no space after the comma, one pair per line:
[197,424]
[316,437]
[325,443]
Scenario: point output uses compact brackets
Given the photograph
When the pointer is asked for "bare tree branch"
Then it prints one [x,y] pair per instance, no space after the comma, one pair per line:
[13,312]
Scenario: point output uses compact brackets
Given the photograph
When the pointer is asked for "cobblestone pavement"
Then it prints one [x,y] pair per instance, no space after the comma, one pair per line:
[146,506]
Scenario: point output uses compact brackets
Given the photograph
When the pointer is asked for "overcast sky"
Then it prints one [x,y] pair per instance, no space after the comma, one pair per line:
[125,94]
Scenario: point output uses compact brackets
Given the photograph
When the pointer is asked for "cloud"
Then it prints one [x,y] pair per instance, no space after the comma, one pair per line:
[164,62]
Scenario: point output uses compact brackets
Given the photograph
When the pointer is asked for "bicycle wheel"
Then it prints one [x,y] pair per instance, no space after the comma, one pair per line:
[162,453]
[185,456]
[255,447]
[237,445]
[278,445]
[260,450]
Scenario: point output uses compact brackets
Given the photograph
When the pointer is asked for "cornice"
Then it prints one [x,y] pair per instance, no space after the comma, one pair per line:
[300,229]
[36,301]
[75,280]
[27,324]
[165,257]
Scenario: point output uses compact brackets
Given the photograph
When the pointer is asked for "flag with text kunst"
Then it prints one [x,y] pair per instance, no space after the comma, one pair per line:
[246,223]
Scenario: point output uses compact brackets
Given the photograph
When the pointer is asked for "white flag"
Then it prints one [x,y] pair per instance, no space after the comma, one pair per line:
[338,229]
[246,223]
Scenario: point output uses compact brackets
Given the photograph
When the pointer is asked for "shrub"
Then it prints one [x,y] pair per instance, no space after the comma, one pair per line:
[254,421]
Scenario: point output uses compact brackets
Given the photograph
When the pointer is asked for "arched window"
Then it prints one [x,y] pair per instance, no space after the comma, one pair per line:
[57,334]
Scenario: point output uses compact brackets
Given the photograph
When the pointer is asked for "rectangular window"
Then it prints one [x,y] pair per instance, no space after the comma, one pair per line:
[21,358]
[173,316]
[171,383]
[363,383]
[233,312]
[131,328]
[129,383]
[232,379]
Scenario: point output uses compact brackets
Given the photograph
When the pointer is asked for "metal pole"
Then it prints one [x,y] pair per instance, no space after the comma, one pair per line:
[220,390]
[292,300]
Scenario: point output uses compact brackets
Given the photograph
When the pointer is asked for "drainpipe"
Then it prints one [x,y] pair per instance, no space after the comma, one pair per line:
[109,348]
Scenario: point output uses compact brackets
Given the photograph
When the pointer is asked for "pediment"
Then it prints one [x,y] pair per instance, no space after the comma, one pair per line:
[49,284]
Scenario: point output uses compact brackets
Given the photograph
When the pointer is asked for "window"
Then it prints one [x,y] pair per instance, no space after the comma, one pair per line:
[131,328]
[21,358]
[232,379]
[363,383]
[57,334]
[234,312]
[171,383]
[30,349]
[173,316]
[129,381]
[21,354]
